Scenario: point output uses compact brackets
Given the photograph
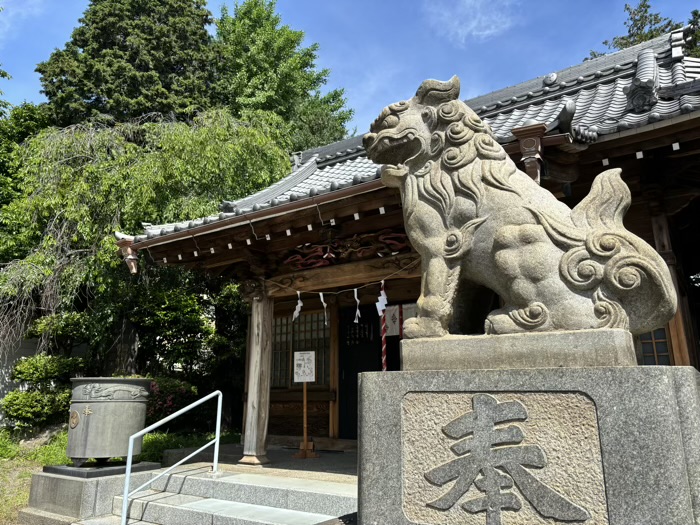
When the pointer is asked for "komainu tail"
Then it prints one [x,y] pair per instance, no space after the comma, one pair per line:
[627,280]
[605,205]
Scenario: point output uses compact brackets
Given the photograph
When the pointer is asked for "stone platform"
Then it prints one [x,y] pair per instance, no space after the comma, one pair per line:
[575,348]
[600,446]
[94,471]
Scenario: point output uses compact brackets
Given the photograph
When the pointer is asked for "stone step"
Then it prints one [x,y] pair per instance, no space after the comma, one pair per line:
[308,495]
[30,516]
[111,520]
[165,508]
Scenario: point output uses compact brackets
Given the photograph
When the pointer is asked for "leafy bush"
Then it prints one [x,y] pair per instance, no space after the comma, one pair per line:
[168,395]
[45,398]
[36,408]
[47,370]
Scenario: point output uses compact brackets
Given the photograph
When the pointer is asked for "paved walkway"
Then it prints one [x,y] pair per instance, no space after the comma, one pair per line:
[330,466]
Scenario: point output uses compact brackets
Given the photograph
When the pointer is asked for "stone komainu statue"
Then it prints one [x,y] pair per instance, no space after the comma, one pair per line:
[480,224]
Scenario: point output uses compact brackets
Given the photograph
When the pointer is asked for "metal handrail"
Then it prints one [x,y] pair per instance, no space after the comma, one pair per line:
[215,465]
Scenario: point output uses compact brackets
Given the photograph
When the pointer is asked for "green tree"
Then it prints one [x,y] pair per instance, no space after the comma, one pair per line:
[19,123]
[128,58]
[80,184]
[262,65]
[642,25]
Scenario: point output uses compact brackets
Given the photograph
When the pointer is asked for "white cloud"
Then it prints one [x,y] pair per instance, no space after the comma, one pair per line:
[14,12]
[463,20]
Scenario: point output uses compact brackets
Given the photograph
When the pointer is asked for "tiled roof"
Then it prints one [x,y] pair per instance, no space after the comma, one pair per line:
[600,96]
[600,89]
[317,176]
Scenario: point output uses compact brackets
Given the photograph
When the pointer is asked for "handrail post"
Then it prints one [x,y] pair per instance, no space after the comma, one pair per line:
[219,404]
[127,482]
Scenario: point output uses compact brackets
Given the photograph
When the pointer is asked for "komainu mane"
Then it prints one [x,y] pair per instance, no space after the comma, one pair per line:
[480,223]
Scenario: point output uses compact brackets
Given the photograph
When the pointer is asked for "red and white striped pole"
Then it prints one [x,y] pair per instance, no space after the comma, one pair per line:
[381,310]
[384,341]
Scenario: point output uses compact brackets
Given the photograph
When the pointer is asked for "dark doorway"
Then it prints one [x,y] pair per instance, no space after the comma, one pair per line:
[360,351]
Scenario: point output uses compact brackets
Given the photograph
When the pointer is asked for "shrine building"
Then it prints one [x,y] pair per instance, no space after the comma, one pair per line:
[327,239]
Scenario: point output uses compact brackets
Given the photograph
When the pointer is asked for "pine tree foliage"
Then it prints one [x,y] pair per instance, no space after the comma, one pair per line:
[128,58]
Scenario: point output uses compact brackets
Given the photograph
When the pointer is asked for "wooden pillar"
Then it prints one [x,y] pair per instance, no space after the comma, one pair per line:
[677,325]
[334,413]
[530,139]
[259,360]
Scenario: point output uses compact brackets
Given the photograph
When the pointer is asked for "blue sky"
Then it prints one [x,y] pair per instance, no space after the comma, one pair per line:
[378,50]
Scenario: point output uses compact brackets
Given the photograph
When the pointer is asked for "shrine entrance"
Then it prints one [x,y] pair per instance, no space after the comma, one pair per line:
[360,348]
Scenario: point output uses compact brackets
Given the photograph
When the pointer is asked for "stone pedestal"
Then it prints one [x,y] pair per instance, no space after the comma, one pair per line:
[62,497]
[569,348]
[606,445]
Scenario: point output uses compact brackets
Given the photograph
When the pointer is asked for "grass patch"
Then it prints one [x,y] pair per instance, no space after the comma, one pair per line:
[16,468]
[15,480]
[155,443]
[53,453]
[9,448]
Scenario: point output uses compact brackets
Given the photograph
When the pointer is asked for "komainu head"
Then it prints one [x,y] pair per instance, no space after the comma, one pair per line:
[432,126]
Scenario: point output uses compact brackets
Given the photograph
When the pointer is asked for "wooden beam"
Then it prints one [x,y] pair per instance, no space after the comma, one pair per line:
[362,198]
[561,172]
[341,196]
[661,135]
[350,274]
[279,240]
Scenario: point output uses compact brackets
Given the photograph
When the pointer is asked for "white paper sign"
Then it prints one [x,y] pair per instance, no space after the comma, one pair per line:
[304,367]
[392,320]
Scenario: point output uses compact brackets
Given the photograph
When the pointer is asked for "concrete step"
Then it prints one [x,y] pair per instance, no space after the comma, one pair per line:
[308,495]
[111,520]
[30,516]
[165,508]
